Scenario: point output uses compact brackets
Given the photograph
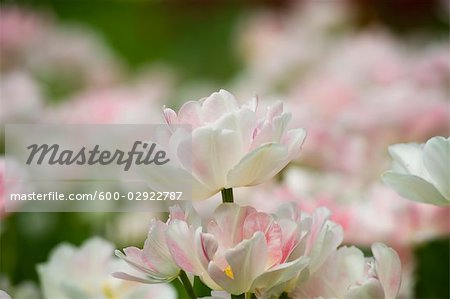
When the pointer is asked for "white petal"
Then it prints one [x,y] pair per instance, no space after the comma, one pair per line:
[218,104]
[212,155]
[408,159]
[259,165]
[436,157]
[414,188]
[279,274]
[371,289]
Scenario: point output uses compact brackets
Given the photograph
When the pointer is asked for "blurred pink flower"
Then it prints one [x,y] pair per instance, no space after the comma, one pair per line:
[21,98]
[58,53]
[368,213]
[85,272]
[138,103]
[230,145]
[14,182]
[20,29]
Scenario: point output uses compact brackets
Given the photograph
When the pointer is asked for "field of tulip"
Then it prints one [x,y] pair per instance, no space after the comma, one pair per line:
[298,149]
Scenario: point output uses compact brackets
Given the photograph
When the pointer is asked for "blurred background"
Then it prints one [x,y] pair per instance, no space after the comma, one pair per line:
[359,75]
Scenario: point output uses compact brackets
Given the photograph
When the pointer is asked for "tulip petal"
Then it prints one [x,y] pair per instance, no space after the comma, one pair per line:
[147,279]
[190,113]
[294,140]
[371,289]
[279,274]
[258,165]
[272,232]
[180,241]
[407,158]
[388,269]
[228,222]
[218,104]
[213,156]
[156,251]
[436,157]
[245,265]
[414,188]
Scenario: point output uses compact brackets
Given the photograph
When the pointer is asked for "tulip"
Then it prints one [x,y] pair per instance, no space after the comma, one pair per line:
[348,275]
[242,250]
[421,172]
[85,272]
[154,263]
[228,145]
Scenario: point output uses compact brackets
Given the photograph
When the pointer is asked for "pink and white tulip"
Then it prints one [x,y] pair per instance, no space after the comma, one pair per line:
[231,145]
[242,250]
[154,263]
[347,274]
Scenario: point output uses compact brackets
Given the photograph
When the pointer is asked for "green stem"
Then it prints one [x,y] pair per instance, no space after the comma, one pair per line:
[187,285]
[227,195]
[241,296]
[249,295]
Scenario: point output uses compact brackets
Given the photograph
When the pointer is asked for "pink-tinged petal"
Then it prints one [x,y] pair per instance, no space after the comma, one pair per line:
[291,234]
[323,238]
[206,246]
[156,252]
[228,223]
[264,223]
[279,274]
[244,265]
[388,269]
[436,158]
[271,130]
[147,279]
[370,289]
[190,114]
[180,241]
[185,212]
[258,166]
[176,213]
[170,116]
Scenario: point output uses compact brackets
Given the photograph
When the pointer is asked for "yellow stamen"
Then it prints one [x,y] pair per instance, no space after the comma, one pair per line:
[229,272]
[107,291]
